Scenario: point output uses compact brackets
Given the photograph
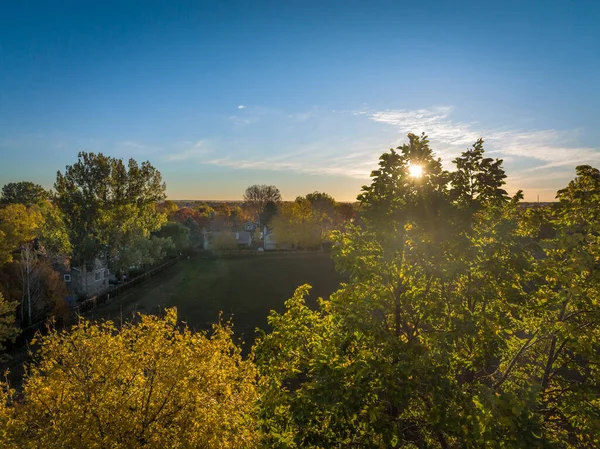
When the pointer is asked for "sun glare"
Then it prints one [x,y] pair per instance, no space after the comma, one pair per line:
[416,171]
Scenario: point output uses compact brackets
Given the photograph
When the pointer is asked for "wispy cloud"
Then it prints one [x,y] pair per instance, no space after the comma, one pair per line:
[241,106]
[551,148]
[195,151]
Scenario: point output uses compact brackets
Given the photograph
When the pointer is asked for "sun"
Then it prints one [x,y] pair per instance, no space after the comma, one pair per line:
[416,171]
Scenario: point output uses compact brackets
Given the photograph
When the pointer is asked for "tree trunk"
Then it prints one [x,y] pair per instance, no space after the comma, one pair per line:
[28,293]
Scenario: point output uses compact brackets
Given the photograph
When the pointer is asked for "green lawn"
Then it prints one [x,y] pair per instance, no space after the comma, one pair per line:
[245,289]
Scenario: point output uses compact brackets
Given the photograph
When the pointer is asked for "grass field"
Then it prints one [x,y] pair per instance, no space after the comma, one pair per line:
[245,289]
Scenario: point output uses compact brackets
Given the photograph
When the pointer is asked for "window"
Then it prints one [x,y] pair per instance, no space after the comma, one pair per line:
[104,274]
[97,275]
[67,277]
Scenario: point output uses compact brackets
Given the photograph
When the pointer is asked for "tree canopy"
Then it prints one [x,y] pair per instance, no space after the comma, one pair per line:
[107,205]
[23,192]
[459,326]
[257,196]
[150,384]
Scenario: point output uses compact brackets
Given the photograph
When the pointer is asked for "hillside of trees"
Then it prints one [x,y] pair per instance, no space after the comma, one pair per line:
[467,321]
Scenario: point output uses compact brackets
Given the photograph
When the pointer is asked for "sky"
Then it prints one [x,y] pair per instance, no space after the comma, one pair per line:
[305,95]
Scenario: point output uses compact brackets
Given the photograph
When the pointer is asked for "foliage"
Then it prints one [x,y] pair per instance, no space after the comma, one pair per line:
[270,212]
[179,235]
[149,384]
[206,211]
[297,226]
[18,224]
[322,202]
[143,253]
[54,235]
[324,212]
[222,241]
[257,197]
[40,289]
[346,211]
[8,330]
[457,328]
[167,207]
[23,192]
[194,221]
[108,205]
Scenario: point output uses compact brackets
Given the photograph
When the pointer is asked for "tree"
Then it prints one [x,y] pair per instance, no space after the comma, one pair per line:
[179,235]
[53,234]
[556,360]
[223,241]
[24,192]
[107,205]
[257,197]
[41,290]
[346,211]
[142,253]
[270,212]
[194,221]
[167,207]
[8,330]
[322,202]
[18,225]
[296,225]
[449,332]
[477,180]
[206,211]
[150,384]
[323,211]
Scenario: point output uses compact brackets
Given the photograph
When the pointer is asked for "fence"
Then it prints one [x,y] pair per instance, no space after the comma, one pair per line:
[95,301]
[29,332]
[242,253]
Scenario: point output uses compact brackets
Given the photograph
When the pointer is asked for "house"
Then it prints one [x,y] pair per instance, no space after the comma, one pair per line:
[269,240]
[90,279]
[250,226]
[226,239]
[243,239]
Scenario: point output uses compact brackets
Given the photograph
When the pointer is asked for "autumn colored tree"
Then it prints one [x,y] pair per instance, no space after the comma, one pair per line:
[8,329]
[167,207]
[297,226]
[149,384]
[187,214]
[18,225]
[194,221]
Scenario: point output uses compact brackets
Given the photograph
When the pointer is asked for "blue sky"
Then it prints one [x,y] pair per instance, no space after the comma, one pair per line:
[301,94]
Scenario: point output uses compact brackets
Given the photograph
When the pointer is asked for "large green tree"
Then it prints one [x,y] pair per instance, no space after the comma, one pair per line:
[108,205]
[445,331]
[179,235]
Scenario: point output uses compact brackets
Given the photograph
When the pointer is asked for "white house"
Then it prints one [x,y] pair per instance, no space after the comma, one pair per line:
[243,238]
[269,240]
[89,279]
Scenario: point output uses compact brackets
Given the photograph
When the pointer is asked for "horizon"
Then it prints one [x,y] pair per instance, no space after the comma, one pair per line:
[304,96]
